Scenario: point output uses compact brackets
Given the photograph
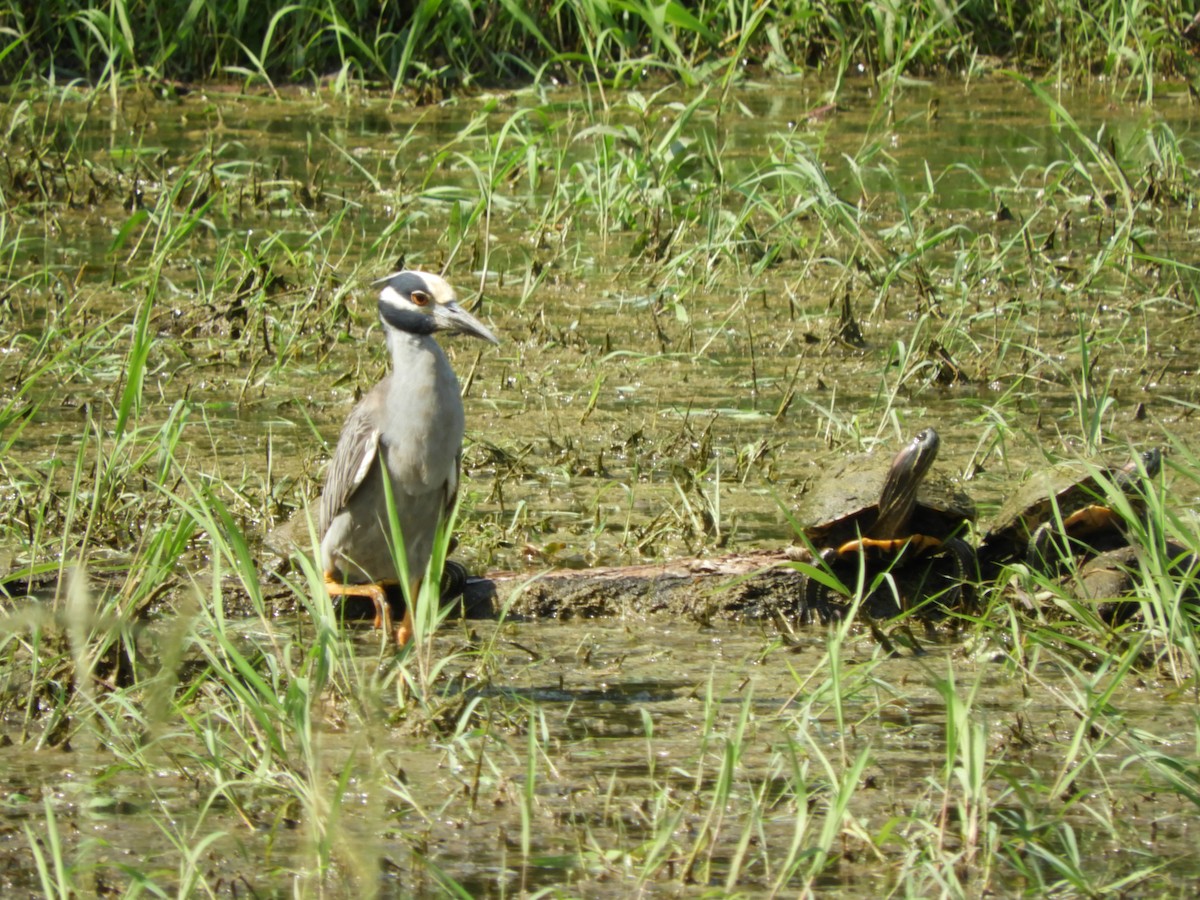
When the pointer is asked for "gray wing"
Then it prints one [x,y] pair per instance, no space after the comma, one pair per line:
[356,452]
[452,483]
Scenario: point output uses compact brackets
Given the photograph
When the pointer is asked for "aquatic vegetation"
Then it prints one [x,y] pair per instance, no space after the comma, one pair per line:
[707,296]
[427,49]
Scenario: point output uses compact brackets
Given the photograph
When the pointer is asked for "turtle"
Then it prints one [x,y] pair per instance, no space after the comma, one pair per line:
[1110,581]
[1065,501]
[891,511]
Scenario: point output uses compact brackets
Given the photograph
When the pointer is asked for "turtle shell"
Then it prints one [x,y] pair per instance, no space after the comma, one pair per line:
[1069,487]
[845,503]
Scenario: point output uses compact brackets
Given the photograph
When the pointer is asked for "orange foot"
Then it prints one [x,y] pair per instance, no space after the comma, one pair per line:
[377,592]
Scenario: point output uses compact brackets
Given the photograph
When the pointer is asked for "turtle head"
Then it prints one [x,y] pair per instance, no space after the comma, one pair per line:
[898,498]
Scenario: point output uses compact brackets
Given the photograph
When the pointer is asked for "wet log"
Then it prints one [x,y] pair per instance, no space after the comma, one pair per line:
[757,584]
[764,584]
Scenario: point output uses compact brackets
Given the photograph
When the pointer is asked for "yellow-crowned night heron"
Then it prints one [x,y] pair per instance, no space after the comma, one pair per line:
[409,426]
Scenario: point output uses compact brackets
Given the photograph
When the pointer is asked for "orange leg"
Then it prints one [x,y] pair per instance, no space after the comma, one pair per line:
[376,592]
[404,631]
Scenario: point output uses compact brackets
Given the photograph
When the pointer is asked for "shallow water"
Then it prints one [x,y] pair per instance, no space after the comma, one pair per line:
[581,739]
[637,410]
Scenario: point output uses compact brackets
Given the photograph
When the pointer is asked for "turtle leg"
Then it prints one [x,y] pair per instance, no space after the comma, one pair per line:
[878,603]
[376,592]
[963,576]
[960,554]
[1038,552]
[815,595]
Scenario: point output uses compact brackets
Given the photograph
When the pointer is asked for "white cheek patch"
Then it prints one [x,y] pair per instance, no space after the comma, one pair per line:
[391,295]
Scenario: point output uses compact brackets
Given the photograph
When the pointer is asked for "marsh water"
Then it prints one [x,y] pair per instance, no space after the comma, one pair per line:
[673,284]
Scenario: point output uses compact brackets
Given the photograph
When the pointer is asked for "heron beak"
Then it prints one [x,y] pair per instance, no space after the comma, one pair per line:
[452,317]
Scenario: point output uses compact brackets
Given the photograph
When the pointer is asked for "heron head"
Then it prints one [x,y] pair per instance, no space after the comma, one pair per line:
[423,303]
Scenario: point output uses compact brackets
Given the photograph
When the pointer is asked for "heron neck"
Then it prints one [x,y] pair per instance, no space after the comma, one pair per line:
[411,352]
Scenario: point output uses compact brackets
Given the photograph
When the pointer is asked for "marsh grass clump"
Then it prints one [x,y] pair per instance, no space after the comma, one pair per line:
[224,702]
[426,51]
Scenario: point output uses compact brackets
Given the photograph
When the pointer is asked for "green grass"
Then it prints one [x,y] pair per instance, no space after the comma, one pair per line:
[419,51]
[695,321]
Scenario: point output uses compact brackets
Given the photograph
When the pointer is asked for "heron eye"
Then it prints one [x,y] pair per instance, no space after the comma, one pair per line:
[420,298]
